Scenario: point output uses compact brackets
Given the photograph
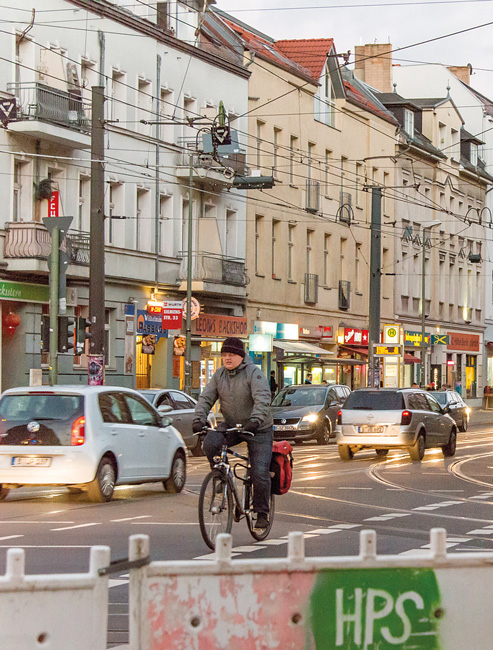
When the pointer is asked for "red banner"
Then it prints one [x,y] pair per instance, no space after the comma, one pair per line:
[53,204]
[172,315]
[353,336]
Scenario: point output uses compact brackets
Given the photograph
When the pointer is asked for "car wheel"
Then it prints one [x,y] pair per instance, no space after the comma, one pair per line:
[381,452]
[417,451]
[178,475]
[324,437]
[465,424]
[3,492]
[450,447]
[101,489]
[197,450]
[345,452]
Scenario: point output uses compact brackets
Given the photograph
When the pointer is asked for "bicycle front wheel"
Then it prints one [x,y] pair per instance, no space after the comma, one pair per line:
[257,533]
[215,507]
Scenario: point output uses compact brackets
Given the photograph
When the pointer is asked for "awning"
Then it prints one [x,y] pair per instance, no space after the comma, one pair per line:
[300,348]
[410,358]
[354,348]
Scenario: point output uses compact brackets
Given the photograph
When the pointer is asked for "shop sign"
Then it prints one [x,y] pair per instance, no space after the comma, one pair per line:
[310,332]
[150,324]
[462,341]
[172,315]
[53,204]
[195,308]
[387,350]
[354,336]
[414,338]
[287,331]
[218,325]
[260,343]
[24,292]
[327,332]
[440,339]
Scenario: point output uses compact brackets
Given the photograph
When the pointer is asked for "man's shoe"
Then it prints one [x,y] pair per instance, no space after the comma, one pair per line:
[262,521]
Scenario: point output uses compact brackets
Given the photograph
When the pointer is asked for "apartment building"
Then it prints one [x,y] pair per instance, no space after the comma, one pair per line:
[326,141]
[440,217]
[155,66]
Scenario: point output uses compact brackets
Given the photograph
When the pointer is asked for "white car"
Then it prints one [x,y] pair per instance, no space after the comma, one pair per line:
[86,438]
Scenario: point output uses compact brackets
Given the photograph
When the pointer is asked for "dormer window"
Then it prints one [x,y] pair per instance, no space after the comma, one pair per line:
[409,122]
[474,154]
[325,100]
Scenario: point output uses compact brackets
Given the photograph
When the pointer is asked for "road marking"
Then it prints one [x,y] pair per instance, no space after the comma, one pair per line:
[480,531]
[275,542]
[345,526]
[11,536]
[435,506]
[247,549]
[388,517]
[130,518]
[77,526]
[35,522]
[165,523]
[48,545]
[211,556]
[326,531]
[355,488]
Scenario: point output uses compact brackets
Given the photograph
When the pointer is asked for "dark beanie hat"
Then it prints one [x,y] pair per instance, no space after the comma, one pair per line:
[234,346]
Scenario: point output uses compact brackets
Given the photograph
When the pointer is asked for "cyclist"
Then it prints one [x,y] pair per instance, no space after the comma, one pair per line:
[244,395]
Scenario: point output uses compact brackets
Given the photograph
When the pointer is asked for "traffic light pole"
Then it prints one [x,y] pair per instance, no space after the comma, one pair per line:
[375,276]
[54,282]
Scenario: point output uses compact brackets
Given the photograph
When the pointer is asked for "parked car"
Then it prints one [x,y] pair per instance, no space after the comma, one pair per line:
[87,438]
[456,406]
[180,407]
[307,412]
[384,419]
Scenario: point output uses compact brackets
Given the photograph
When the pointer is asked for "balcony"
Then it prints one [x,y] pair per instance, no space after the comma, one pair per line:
[215,269]
[31,240]
[311,288]
[51,114]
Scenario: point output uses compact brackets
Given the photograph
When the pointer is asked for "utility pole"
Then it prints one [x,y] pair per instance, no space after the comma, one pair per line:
[96,242]
[422,374]
[157,206]
[188,321]
[375,277]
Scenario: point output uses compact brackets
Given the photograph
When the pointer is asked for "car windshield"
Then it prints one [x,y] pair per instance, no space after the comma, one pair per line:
[300,397]
[149,395]
[375,401]
[441,397]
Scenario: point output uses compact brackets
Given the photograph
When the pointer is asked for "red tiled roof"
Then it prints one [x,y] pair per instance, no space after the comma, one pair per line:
[311,53]
[356,97]
[269,51]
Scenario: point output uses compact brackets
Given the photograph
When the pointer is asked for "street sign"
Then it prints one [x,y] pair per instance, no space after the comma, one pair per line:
[8,111]
[220,135]
[172,314]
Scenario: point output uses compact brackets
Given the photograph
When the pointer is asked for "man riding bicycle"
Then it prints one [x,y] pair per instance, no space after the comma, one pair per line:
[244,395]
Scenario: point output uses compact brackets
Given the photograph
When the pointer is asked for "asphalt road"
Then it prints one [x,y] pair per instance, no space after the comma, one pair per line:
[330,501]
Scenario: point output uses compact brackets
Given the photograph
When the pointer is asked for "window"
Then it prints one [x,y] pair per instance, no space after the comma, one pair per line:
[162,15]
[182,402]
[342,252]
[16,212]
[83,213]
[259,143]
[22,192]
[343,171]
[385,201]
[275,229]
[311,148]
[328,156]
[357,278]
[293,147]
[409,122]
[455,145]
[142,229]
[118,96]
[141,412]
[474,154]
[275,160]
[231,223]
[309,238]
[325,100]
[166,107]
[326,260]
[258,227]
[359,182]
[290,251]
[144,105]
[114,209]
[113,408]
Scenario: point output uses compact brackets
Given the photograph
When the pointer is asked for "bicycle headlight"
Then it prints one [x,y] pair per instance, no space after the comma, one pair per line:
[311,417]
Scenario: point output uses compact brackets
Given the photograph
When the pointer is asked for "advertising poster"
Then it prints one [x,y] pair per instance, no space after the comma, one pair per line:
[95,368]
[149,344]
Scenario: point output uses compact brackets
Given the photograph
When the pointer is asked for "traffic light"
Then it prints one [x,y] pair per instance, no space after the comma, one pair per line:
[81,334]
[45,333]
[66,333]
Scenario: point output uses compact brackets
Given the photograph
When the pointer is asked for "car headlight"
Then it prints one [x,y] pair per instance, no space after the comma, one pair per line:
[468,410]
[311,417]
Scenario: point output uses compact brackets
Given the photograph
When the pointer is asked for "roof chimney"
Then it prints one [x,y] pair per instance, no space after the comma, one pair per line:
[373,65]
[462,72]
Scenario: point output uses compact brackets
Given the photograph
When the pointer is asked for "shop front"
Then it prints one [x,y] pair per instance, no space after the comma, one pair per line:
[353,353]
[464,364]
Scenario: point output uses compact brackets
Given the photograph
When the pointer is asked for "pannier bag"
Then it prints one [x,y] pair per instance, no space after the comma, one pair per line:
[281,467]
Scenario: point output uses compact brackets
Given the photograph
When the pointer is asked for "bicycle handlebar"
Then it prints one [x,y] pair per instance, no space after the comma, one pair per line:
[238,428]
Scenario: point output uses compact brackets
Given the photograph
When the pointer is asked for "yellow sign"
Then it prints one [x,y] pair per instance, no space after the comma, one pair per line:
[386,350]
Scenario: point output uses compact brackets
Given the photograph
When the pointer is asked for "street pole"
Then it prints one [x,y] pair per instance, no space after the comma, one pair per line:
[157,203]
[188,320]
[54,281]
[375,276]
[96,242]
[422,374]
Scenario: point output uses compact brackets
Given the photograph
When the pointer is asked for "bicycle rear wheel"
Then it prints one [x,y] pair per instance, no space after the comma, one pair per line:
[215,507]
[256,533]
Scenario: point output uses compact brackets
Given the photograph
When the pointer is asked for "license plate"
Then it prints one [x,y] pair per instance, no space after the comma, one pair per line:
[25,461]
[284,427]
[368,428]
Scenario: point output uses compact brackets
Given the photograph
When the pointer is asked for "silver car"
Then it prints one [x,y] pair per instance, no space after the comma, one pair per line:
[384,419]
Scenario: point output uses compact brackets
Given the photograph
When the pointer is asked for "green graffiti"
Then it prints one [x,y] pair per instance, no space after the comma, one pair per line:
[376,609]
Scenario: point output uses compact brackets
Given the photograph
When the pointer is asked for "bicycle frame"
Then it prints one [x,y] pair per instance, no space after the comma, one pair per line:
[226,468]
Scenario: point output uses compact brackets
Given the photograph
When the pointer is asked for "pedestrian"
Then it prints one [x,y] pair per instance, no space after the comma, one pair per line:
[244,395]
[414,385]
[273,383]
[308,379]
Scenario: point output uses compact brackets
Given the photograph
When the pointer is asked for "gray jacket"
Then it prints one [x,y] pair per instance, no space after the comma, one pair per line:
[243,394]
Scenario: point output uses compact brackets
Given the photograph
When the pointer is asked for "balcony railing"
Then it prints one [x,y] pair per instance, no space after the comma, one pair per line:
[36,101]
[211,267]
[31,240]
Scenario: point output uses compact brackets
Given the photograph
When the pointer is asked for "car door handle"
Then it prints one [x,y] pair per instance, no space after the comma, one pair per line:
[114,432]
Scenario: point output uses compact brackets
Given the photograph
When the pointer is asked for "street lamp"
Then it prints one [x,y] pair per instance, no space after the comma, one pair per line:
[425,227]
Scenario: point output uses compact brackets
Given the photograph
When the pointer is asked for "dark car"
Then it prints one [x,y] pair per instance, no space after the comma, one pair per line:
[180,407]
[307,412]
[456,407]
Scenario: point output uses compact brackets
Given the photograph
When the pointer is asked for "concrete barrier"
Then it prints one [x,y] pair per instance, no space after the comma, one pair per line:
[54,612]
[428,602]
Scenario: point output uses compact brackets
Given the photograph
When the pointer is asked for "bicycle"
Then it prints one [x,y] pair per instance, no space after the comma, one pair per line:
[220,502]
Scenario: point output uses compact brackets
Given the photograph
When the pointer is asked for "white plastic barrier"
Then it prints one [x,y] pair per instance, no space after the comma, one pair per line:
[428,602]
[54,612]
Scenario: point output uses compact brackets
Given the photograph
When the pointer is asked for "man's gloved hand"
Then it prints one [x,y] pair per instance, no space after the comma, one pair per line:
[198,426]
[252,425]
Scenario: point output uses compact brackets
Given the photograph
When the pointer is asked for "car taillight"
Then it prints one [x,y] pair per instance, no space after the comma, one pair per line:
[78,436]
[339,417]
[406,417]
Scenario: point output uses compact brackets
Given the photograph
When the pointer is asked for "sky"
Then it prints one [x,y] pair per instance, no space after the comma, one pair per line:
[399,22]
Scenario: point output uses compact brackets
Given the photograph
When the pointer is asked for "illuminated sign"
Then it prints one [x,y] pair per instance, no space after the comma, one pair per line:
[387,350]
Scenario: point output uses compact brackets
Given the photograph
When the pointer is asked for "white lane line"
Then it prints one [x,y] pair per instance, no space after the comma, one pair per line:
[11,536]
[326,531]
[480,531]
[345,526]
[78,526]
[274,542]
[48,545]
[247,549]
[355,488]
[130,518]
[35,522]
[165,523]
[211,556]
[435,506]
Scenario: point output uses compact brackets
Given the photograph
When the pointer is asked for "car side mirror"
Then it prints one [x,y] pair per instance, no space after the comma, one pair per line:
[446,409]
[164,408]
[165,421]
